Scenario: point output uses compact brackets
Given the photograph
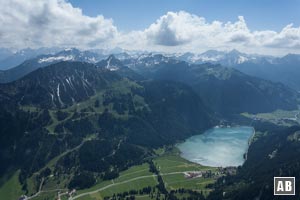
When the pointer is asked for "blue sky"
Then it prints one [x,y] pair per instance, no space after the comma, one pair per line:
[139,14]
[176,26]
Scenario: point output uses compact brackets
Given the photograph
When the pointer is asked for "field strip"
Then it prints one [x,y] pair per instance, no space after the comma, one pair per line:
[171,173]
[133,173]
[172,182]
[177,161]
[105,187]
[119,183]
[108,186]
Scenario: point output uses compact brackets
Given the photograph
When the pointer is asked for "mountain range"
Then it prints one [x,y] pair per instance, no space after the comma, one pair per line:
[277,69]
[284,69]
[217,85]
[226,90]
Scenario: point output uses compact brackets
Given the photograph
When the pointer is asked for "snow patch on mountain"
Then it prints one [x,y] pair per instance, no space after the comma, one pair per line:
[242,59]
[56,58]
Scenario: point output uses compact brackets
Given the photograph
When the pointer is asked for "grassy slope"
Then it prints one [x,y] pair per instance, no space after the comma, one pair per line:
[133,172]
[168,162]
[12,188]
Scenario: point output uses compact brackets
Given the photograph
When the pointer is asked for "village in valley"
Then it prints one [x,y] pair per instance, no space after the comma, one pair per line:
[221,171]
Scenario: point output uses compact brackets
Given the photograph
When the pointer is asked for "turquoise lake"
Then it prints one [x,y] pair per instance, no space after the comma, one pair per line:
[218,146]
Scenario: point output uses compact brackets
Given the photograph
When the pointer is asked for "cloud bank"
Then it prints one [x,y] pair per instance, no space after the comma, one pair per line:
[36,23]
[47,23]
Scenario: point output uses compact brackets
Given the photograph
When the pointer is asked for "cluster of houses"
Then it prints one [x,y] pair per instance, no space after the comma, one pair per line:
[193,174]
[211,174]
[197,174]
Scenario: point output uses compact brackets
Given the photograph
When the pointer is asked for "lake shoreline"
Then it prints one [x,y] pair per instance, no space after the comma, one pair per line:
[219,146]
[249,143]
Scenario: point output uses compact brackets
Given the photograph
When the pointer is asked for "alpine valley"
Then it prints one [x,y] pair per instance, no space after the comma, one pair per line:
[104,125]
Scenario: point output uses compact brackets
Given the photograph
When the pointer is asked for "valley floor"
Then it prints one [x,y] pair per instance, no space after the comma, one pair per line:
[279,117]
[175,171]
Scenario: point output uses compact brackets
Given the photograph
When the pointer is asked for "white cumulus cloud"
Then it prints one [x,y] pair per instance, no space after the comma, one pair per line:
[187,32]
[51,23]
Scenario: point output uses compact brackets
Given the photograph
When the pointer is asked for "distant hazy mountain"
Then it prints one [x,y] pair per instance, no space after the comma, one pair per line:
[111,63]
[225,89]
[4,53]
[285,70]
[147,61]
[230,58]
[278,69]
[114,64]
[45,60]
[14,59]
[71,54]
[119,52]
